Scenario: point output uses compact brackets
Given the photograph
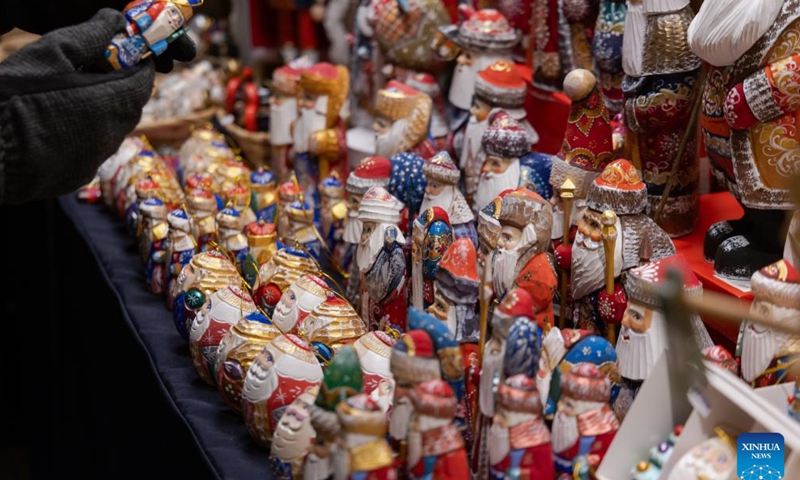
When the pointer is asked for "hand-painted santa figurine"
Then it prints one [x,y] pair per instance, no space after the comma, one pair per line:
[456,292]
[319,141]
[153,243]
[288,192]
[381,261]
[520,258]
[278,274]
[620,190]
[224,309]
[374,350]
[203,208]
[643,336]
[262,243]
[504,142]
[660,89]
[439,129]
[237,350]
[518,439]
[284,369]
[371,172]
[584,425]
[484,37]
[766,355]
[747,125]
[282,115]
[181,247]
[607,51]
[365,451]
[402,115]
[265,195]
[293,437]
[498,86]
[435,445]
[302,231]
[712,459]
[442,191]
[587,147]
[240,197]
[431,236]
[206,273]
[296,303]
[231,237]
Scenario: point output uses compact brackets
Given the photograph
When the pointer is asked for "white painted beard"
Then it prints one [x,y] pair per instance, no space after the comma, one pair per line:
[259,383]
[696,464]
[758,350]
[491,185]
[564,432]
[462,87]
[633,40]
[639,352]
[388,144]
[472,144]
[504,272]
[367,253]
[292,435]
[352,227]
[452,320]
[417,285]
[588,266]
[443,200]
[310,121]
[400,417]
[281,118]
[285,317]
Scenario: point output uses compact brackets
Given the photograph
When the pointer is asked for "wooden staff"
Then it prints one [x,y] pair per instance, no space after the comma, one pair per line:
[485,296]
[567,195]
[609,244]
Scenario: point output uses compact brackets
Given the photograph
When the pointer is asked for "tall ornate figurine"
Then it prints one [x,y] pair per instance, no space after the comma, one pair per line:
[231,236]
[660,89]
[153,243]
[584,425]
[302,229]
[402,115]
[203,207]
[288,192]
[435,446]
[283,114]
[442,191]
[753,140]
[371,172]
[382,262]
[767,354]
[607,51]
[319,140]
[265,195]
[240,197]
[439,129]
[262,242]
[374,350]
[521,259]
[457,286]
[504,142]
[333,212]
[283,371]
[366,452]
[431,237]
[620,190]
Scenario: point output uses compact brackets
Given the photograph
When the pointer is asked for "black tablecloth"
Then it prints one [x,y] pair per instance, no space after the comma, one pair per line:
[220,434]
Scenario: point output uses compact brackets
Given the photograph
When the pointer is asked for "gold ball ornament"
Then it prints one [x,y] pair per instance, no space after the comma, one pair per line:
[578,84]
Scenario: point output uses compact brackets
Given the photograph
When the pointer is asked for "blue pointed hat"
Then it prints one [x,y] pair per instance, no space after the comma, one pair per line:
[447,349]
[523,349]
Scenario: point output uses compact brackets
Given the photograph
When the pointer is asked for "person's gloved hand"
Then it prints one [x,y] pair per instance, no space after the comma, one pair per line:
[181,49]
[60,117]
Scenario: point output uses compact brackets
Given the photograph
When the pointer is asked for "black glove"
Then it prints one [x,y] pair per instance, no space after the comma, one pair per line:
[60,116]
[181,49]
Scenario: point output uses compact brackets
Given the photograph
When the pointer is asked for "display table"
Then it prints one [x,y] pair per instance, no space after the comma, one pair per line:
[220,434]
[714,208]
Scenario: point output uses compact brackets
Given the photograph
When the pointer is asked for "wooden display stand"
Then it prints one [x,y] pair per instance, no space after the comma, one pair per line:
[714,207]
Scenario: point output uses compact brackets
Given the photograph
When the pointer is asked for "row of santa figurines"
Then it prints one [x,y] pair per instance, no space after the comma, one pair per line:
[216,295]
[662,68]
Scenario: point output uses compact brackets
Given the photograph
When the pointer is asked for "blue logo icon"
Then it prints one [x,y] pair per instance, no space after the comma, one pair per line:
[760,456]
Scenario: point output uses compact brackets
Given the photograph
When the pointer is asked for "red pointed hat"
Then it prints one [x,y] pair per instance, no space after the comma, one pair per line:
[778,284]
[517,303]
[286,79]
[457,275]
[641,280]
[618,188]
[371,172]
[587,146]
[501,85]
[486,30]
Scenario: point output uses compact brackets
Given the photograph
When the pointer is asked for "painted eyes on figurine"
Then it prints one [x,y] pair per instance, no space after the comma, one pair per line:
[636,316]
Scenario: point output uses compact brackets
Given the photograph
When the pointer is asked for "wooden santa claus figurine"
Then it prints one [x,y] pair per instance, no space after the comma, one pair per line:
[766,355]
[402,114]
[584,425]
[381,261]
[660,91]
[607,51]
[599,257]
[302,297]
[435,446]
[442,191]
[282,115]
[431,236]
[456,292]
[520,258]
[365,451]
